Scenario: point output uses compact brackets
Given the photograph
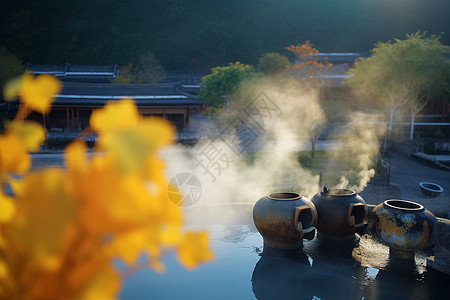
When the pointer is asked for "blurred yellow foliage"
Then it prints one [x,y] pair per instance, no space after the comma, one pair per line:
[37,92]
[62,228]
[14,157]
[7,208]
[31,133]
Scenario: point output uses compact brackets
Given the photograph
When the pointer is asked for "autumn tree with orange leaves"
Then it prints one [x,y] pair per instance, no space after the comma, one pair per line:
[306,65]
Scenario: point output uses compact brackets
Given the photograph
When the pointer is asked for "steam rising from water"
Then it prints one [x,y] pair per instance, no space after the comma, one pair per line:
[252,150]
[361,143]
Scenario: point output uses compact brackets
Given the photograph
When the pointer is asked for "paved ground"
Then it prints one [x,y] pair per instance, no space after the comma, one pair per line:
[406,173]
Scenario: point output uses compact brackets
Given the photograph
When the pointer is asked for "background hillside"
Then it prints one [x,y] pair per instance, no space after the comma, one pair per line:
[186,34]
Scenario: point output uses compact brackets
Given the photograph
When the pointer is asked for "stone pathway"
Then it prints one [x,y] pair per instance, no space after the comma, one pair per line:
[406,174]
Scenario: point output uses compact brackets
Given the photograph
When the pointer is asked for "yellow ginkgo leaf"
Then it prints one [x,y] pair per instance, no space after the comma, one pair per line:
[31,133]
[133,204]
[128,147]
[128,247]
[194,249]
[75,158]
[6,208]
[13,155]
[11,90]
[3,270]
[85,270]
[115,116]
[132,139]
[38,92]
[112,201]
[49,210]
[171,236]
[105,285]
[157,132]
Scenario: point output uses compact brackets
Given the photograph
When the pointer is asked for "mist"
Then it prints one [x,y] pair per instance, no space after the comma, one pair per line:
[361,140]
[253,145]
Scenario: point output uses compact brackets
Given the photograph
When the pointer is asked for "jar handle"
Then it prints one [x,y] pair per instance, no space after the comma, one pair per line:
[351,217]
[308,232]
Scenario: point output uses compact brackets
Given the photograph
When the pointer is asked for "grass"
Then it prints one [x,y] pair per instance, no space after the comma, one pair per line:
[308,162]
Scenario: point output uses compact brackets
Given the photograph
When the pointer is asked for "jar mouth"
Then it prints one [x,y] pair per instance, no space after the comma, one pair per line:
[338,192]
[403,205]
[284,196]
[430,186]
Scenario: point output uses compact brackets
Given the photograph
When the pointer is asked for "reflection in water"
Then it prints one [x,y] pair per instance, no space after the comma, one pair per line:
[335,274]
[282,277]
[370,252]
[371,273]
[278,276]
[395,284]
[236,234]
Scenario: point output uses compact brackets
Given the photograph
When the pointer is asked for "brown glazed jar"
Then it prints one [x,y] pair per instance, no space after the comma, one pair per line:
[405,226]
[284,219]
[342,212]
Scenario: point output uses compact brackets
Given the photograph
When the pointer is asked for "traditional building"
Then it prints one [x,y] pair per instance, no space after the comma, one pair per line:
[73,106]
[86,88]
[340,58]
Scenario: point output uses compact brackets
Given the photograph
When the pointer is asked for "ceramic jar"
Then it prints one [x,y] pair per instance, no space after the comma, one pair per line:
[284,219]
[342,212]
[405,226]
[430,189]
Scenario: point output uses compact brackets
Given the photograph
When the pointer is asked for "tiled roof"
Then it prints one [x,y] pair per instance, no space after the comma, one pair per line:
[333,76]
[90,94]
[80,73]
[46,69]
[191,79]
[140,103]
[89,68]
[109,89]
[338,58]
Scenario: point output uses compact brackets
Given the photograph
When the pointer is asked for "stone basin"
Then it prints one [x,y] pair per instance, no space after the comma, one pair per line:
[430,189]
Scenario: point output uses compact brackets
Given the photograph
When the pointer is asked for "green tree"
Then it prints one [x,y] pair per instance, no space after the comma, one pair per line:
[148,70]
[220,85]
[273,64]
[10,66]
[128,74]
[403,71]
[151,70]
[429,70]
